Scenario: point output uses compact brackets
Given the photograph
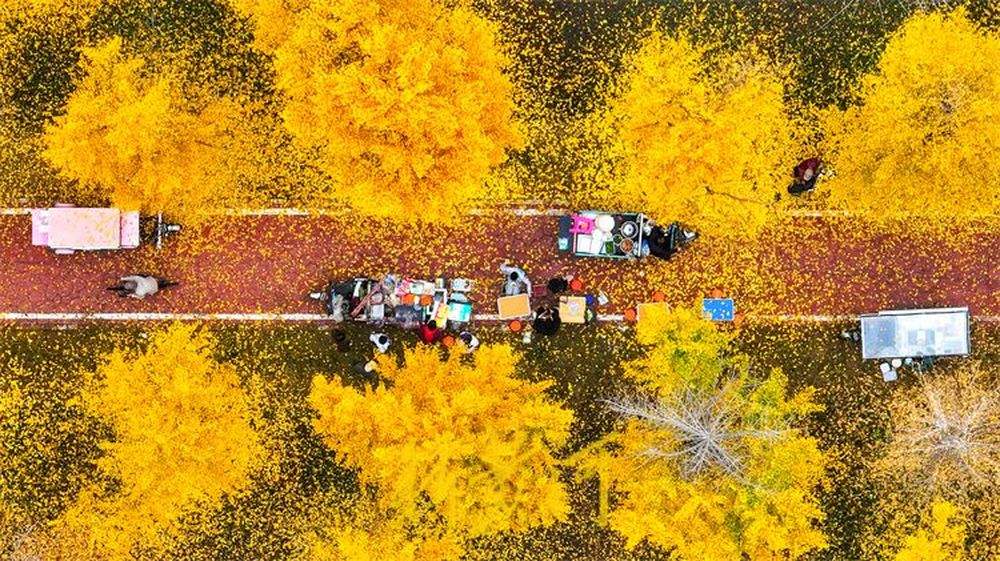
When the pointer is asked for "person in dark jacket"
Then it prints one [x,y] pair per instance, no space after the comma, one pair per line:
[558,285]
[665,243]
[340,339]
[805,175]
[547,321]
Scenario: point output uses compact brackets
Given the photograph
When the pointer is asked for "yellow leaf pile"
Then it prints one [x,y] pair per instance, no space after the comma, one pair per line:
[922,142]
[463,441]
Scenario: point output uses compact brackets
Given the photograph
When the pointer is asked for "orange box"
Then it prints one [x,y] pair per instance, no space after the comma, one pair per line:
[510,307]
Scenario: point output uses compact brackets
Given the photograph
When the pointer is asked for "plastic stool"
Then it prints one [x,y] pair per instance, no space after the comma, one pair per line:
[581,225]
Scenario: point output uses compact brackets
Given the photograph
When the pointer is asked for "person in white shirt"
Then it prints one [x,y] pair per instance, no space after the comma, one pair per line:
[516,281]
[139,286]
[470,340]
[381,341]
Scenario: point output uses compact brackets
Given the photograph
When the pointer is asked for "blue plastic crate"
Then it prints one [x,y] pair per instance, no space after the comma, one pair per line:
[718,309]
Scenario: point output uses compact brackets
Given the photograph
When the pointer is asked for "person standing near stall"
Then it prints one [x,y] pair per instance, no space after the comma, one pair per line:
[430,333]
[546,321]
[381,342]
[471,341]
[516,281]
[665,243]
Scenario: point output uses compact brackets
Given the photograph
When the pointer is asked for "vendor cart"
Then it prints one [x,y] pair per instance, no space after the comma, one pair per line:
[915,333]
[399,301]
[68,229]
[592,233]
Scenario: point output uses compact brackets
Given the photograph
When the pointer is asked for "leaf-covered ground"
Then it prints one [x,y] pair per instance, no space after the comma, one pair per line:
[585,365]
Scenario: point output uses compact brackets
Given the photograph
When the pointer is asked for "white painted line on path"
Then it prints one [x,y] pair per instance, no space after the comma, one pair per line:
[319,318]
[516,211]
[157,316]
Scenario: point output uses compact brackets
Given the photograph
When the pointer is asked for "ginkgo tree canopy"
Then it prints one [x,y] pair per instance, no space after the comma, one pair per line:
[129,134]
[405,102]
[184,435]
[706,461]
[470,438]
[711,149]
[923,137]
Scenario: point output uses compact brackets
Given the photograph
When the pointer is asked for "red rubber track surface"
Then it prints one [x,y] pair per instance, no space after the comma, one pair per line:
[807,266]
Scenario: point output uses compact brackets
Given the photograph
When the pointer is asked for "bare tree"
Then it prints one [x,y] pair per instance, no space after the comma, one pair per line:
[706,429]
[947,434]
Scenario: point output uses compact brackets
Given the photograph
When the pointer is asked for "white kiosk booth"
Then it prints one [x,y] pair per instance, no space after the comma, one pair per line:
[915,333]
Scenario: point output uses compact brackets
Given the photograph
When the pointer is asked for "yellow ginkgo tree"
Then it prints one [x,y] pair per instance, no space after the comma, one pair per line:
[463,448]
[183,436]
[940,539]
[709,148]
[707,462]
[129,135]
[922,140]
[405,102]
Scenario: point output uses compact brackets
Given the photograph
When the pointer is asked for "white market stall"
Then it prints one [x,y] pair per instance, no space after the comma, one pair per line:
[915,333]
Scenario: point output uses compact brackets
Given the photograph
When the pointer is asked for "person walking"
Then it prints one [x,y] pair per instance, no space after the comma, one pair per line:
[140,286]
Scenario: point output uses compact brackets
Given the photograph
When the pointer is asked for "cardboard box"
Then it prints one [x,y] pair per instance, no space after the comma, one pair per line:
[511,307]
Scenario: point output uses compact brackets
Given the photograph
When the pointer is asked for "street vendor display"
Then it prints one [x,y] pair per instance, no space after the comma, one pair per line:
[512,307]
[623,235]
[398,300]
[573,309]
[718,309]
[648,308]
[593,233]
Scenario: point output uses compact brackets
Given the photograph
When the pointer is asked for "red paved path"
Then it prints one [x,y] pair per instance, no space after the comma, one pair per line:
[268,264]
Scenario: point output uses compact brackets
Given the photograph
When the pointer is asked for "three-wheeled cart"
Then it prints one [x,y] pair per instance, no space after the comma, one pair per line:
[592,233]
[68,229]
